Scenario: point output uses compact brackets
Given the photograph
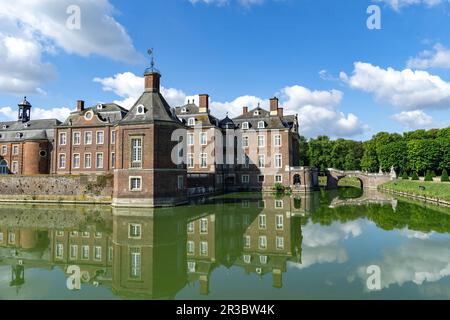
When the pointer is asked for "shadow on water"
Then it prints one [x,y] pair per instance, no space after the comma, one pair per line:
[159,253]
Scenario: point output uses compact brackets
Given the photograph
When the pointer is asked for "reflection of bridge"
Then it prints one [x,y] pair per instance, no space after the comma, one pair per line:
[368,197]
[368,180]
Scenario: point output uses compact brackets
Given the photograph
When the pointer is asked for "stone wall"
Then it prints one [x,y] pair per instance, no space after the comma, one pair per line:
[57,188]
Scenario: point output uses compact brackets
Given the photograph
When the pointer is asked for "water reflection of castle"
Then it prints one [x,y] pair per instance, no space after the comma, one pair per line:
[156,253]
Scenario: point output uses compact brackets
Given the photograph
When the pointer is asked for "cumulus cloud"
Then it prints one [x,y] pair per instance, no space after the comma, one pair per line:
[413,119]
[439,57]
[405,89]
[61,114]
[129,87]
[31,30]
[398,4]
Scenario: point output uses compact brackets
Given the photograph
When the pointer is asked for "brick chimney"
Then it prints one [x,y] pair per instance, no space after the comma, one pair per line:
[152,81]
[244,110]
[203,103]
[80,105]
[274,106]
[280,112]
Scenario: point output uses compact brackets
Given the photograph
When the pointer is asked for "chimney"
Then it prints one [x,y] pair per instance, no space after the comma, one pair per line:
[152,81]
[274,106]
[244,110]
[204,103]
[80,105]
[280,112]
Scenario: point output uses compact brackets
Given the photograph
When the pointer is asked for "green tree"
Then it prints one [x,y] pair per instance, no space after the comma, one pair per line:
[304,151]
[444,176]
[369,161]
[320,152]
[415,176]
[429,176]
[393,154]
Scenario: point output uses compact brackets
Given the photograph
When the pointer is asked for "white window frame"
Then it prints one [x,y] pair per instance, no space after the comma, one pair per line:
[245,141]
[60,156]
[137,227]
[113,159]
[79,161]
[15,167]
[131,186]
[247,258]
[100,137]
[262,242]
[97,164]
[113,136]
[279,243]
[190,160]
[15,150]
[204,226]
[247,241]
[136,152]
[261,164]
[277,140]
[90,160]
[191,122]
[278,161]
[4,150]
[190,139]
[261,125]
[62,141]
[76,142]
[279,222]
[59,251]
[278,178]
[87,141]
[190,248]
[203,248]
[204,156]
[85,249]
[261,141]
[245,178]
[98,253]
[73,252]
[279,204]
[262,222]
[245,126]
[203,138]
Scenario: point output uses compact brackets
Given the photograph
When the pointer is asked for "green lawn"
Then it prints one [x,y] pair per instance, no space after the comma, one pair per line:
[345,182]
[432,189]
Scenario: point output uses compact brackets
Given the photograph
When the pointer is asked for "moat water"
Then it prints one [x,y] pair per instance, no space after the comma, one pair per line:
[237,246]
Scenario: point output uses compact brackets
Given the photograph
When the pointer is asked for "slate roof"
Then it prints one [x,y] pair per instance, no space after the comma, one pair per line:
[227,123]
[17,131]
[271,122]
[192,111]
[156,108]
[110,113]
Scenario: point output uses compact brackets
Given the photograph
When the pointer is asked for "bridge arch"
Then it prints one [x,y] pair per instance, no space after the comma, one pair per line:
[368,180]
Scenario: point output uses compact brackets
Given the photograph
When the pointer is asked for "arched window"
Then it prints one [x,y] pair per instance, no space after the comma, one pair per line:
[3,167]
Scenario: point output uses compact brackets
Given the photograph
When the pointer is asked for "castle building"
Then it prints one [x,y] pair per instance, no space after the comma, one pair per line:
[159,155]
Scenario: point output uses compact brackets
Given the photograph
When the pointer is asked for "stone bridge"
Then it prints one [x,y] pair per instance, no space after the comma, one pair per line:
[368,180]
[368,197]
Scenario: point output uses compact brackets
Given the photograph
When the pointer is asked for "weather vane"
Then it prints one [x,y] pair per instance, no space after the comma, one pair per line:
[152,60]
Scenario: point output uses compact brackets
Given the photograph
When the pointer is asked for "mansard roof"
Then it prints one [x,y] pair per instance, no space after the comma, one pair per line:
[155,108]
[17,131]
[193,111]
[271,122]
[107,113]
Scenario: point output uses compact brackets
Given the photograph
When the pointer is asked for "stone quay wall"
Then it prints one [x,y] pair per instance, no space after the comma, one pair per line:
[57,188]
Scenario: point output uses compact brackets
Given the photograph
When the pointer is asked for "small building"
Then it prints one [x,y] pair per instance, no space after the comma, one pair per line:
[26,145]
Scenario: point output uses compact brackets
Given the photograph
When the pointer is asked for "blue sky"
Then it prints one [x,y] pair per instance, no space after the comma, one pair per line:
[318,56]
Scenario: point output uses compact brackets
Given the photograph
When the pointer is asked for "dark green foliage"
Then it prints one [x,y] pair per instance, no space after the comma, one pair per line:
[415,176]
[405,175]
[429,176]
[444,176]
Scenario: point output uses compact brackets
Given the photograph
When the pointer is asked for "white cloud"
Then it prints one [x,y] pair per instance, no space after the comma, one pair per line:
[439,57]
[413,119]
[406,89]
[398,4]
[30,30]
[37,113]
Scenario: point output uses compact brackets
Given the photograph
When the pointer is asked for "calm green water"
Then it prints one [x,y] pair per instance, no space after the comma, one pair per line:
[239,246]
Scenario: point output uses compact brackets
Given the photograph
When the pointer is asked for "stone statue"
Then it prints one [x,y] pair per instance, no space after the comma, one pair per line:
[393,173]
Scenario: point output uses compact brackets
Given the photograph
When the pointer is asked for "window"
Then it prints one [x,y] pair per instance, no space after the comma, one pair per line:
[62,161]
[245,178]
[135,184]
[62,139]
[279,204]
[97,253]
[134,231]
[190,160]
[191,227]
[256,113]
[280,243]
[261,161]
[204,248]
[263,242]
[76,161]
[278,161]
[245,142]
[4,150]
[262,204]
[180,182]
[263,259]
[100,137]
[89,115]
[190,139]
[191,122]
[204,225]
[278,140]
[261,141]
[191,247]
[279,222]
[203,160]
[140,110]
[136,153]
[3,167]
[98,235]
[19,135]
[246,162]
[73,251]
[261,125]
[247,241]
[183,110]
[262,221]
[278,178]
[247,259]
[60,233]
[15,167]
[87,160]
[11,238]
[261,178]
[191,266]
[246,220]
[113,159]
[73,234]
[76,138]
[1,236]
[113,137]
[43,153]
[135,263]
[245,126]
[15,150]
[99,161]
[86,234]
[203,138]
[59,251]
[88,137]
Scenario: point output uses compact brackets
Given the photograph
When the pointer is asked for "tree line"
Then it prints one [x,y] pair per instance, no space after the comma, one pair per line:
[417,151]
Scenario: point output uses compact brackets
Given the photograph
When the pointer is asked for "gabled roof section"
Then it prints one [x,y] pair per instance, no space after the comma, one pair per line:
[107,113]
[191,110]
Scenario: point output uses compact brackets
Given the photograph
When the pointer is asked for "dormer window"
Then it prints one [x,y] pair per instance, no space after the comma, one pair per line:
[89,115]
[191,122]
[184,110]
[245,126]
[256,113]
[99,106]
[26,125]
[140,110]
[261,125]
[4,127]
[19,135]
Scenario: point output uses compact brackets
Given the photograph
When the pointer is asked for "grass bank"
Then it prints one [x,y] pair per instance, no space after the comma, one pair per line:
[345,182]
[435,190]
